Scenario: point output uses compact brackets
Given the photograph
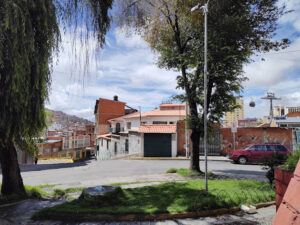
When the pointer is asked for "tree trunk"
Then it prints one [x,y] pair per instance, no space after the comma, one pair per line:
[194,162]
[12,182]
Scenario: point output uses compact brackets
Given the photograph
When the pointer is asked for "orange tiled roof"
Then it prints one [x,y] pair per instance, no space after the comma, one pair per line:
[131,115]
[264,125]
[158,128]
[293,114]
[106,136]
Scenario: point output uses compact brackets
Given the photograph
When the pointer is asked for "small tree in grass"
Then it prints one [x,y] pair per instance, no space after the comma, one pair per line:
[269,164]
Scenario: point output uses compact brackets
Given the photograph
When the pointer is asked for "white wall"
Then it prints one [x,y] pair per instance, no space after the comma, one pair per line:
[135,143]
[135,122]
[174,145]
[104,152]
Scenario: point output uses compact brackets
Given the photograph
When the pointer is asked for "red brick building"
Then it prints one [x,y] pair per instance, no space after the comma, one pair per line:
[49,148]
[105,110]
[181,151]
[255,135]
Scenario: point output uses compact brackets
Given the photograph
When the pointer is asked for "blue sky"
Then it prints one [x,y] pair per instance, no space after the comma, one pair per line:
[127,67]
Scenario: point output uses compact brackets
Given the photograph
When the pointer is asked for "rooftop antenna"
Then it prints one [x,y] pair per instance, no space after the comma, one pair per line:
[271,96]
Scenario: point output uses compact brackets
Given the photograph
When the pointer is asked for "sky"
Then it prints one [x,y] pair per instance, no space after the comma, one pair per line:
[126,67]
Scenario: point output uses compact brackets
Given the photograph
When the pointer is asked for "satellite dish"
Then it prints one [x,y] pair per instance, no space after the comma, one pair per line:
[252,104]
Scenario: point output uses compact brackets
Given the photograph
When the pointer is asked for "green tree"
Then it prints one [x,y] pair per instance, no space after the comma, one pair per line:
[29,36]
[236,30]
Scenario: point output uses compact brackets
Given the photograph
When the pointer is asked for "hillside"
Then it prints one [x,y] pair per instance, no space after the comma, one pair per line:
[62,118]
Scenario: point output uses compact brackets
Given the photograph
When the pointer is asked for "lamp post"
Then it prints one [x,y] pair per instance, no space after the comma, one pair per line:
[205,12]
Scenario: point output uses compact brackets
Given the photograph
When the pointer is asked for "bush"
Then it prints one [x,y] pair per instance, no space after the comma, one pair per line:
[276,159]
[171,170]
[292,161]
[59,192]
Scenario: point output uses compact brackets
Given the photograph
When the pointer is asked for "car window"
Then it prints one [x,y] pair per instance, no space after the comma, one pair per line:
[259,148]
[280,148]
[264,148]
[270,148]
[251,148]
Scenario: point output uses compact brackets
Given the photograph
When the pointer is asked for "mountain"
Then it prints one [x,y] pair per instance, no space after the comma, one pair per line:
[62,118]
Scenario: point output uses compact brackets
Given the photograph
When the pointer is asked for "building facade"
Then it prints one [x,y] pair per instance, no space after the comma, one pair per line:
[236,115]
[105,110]
[152,133]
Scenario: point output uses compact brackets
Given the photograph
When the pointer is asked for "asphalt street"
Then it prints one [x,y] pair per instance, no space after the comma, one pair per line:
[92,170]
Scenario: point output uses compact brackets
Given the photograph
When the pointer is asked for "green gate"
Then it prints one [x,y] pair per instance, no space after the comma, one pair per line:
[157,145]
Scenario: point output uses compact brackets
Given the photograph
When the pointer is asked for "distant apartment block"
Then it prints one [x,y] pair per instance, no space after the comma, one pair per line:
[235,115]
[76,142]
[280,110]
[248,123]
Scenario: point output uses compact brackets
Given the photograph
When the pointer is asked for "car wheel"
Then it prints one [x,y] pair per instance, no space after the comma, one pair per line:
[242,160]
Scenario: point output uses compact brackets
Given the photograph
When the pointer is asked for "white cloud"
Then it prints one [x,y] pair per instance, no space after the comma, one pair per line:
[293,17]
[129,39]
[128,72]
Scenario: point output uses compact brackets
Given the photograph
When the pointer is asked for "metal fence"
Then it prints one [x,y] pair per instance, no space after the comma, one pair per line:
[214,144]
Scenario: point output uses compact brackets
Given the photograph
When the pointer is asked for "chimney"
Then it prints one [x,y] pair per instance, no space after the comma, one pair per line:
[116,98]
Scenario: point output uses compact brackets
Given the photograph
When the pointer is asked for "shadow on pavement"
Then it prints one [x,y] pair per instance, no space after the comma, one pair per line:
[241,172]
[52,166]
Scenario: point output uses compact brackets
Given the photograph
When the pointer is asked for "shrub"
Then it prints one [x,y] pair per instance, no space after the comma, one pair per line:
[59,192]
[276,159]
[172,170]
[292,161]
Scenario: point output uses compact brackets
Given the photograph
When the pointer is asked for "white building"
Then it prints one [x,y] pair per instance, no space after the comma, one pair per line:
[153,133]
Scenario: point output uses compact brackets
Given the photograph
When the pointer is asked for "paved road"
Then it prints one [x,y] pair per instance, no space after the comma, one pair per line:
[89,172]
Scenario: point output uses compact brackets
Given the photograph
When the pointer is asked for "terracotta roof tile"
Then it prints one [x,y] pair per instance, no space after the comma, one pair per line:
[158,128]
[293,114]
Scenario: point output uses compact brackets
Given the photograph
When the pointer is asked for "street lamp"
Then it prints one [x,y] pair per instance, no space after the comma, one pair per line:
[205,12]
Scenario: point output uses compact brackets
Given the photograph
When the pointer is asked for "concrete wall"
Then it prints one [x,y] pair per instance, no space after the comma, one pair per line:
[174,145]
[256,135]
[135,143]
[104,148]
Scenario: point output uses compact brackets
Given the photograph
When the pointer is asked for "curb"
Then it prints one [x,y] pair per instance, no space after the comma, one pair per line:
[145,158]
[148,217]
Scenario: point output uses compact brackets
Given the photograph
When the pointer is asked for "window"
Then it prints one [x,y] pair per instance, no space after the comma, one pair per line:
[144,122]
[280,148]
[251,148]
[171,122]
[107,144]
[128,125]
[101,141]
[271,148]
[160,122]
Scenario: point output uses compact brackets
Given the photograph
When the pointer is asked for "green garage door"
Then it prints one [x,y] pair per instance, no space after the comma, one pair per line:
[157,145]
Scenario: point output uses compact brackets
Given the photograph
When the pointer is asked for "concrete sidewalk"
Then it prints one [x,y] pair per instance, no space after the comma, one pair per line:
[201,158]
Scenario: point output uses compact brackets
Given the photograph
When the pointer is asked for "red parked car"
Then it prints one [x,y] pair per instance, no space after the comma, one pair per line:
[256,153]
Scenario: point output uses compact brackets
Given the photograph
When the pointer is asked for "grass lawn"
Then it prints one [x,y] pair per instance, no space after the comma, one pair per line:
[37,192]
[189,173]
[165,198]
[32,193]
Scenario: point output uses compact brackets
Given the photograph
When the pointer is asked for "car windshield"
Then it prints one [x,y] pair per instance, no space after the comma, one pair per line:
[248,147]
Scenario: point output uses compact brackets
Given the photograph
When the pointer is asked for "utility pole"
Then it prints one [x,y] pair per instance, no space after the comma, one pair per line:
[271,96]
[205,12]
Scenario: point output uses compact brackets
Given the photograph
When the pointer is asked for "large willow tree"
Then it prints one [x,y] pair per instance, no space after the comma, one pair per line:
[29,36]
[237,29]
